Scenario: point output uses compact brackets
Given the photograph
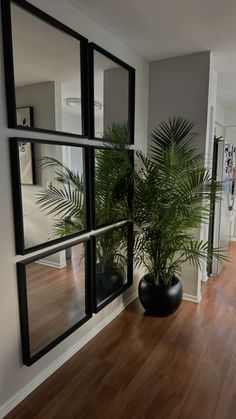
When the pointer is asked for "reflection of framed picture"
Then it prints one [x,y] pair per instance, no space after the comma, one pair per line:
[24,116]
[26,158]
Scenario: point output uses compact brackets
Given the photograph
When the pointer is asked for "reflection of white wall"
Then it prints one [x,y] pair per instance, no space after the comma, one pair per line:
[98,95]
[71,122]
[98,125]
[115,96]
[38,227]
[42,97]
[76,162]
[71,116]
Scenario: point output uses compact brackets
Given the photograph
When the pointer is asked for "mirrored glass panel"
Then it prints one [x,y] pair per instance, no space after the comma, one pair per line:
[47,72]
[55,290]
[113,189]
[112,257]
[49,192]
[111,95]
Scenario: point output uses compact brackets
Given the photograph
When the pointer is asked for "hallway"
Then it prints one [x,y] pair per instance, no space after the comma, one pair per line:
[141,367]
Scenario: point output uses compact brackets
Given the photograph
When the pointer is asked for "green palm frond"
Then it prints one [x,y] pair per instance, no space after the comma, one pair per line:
[172,199]
[66,201]
[113,180]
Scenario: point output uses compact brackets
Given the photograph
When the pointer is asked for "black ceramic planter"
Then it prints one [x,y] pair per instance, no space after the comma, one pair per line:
[109,281]
[160,300]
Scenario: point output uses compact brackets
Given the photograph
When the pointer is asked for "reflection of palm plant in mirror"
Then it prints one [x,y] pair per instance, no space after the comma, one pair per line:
[112,177]
[66,201]
[112,168]
[111,250]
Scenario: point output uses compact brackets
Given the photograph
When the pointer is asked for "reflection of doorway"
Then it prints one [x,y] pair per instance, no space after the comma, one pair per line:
[223,171]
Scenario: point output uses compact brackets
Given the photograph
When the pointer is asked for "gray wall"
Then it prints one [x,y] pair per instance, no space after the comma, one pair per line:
[116,84]
[179,87]
[42,97]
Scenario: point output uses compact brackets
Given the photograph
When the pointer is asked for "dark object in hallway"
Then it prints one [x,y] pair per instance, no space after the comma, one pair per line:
[109,281]
[160,300]
[112,259]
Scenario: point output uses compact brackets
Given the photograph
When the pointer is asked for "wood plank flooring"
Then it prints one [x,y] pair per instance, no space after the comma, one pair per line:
[56,298]
[139,367]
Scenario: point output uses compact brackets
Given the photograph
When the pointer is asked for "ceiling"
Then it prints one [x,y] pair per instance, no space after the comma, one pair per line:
[159,29]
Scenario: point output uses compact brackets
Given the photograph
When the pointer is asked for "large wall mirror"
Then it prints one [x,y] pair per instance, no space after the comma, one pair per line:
[49,192]
[112,89]
[54,300]
[112,264]
[113,185]
[46,71]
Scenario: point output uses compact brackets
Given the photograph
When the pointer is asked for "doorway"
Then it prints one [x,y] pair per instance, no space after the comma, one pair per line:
[222,225]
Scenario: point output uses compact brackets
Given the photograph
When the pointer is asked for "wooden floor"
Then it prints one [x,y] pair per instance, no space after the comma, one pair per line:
[56,298]
[141,367]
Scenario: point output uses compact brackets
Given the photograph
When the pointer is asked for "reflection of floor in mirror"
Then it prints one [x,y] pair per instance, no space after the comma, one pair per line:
[56,298]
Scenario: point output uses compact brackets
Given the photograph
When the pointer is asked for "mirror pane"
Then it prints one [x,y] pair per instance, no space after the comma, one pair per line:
[112,179]
[52,191]
[47,74]
[111,94]
[111,262]
[55,295]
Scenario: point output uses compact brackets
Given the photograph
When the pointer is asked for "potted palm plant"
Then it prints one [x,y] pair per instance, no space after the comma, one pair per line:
[172,197]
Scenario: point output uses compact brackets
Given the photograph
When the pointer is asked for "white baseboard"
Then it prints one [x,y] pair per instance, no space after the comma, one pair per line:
[32,385]
[192,298]
[51,264]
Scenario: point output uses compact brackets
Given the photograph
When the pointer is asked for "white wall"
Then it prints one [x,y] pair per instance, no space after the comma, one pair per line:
[179,87]
[13,375]
[220,114]
[115,96]
[230,116]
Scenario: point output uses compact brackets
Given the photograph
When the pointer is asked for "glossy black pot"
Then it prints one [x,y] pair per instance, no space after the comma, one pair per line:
[160,300]
[109,281]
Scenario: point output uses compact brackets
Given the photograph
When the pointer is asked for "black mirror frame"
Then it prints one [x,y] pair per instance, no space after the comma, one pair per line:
[17,195]
[29,359]
[9,65]
[130,241]
[131,91]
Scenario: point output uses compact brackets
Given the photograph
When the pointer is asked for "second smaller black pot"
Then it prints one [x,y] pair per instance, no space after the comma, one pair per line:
[109,281]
